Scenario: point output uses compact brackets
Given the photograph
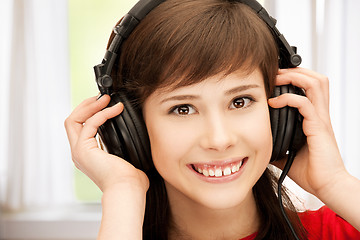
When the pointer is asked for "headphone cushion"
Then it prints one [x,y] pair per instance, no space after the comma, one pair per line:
[286,125]
[131,141]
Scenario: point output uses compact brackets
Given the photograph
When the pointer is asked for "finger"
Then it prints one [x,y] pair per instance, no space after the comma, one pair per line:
[300,102]
[89,107]
[314,88]
[86,109]
[92,124]
[321,79]
[312,121]
[305,71]
[73,129]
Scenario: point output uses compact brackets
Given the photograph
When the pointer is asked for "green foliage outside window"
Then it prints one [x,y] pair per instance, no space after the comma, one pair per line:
[90,25]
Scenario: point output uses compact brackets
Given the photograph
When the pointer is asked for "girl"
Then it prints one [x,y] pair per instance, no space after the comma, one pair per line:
[202,73]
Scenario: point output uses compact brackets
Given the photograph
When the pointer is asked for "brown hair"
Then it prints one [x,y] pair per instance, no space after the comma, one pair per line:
[182,42]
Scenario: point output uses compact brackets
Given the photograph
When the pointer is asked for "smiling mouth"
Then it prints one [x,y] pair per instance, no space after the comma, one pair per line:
[219,170]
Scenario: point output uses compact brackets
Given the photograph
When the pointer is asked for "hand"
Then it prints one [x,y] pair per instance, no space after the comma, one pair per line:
[318,165]
[104,169]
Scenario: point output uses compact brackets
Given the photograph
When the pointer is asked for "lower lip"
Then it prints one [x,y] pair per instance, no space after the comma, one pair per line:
[222,179]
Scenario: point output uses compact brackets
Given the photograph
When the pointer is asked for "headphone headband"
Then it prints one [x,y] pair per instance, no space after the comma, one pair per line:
[289,57]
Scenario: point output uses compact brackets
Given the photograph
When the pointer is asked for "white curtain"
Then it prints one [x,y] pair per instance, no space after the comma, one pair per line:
[35,169]
[339,51]
[327,35]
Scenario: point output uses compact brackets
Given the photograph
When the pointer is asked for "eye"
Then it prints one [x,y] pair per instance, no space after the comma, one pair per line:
[241,102]
[183,110]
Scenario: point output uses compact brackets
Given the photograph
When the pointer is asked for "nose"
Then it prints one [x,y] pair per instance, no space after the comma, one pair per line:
[219,133]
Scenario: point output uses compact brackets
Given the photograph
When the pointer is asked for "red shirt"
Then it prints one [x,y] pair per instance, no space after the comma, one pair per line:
[324,224]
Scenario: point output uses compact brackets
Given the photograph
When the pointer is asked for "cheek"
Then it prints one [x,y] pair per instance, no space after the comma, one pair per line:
[265,134]
[168,143]
[257,131]
[263,131]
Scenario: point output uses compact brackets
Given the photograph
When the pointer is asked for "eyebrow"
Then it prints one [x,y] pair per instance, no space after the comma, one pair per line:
[241,88]
[180,98]
[193,97]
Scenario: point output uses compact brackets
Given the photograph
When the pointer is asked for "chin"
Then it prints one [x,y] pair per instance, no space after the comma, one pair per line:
[226,200]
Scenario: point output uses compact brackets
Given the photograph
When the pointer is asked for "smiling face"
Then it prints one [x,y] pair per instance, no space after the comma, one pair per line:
[211,141]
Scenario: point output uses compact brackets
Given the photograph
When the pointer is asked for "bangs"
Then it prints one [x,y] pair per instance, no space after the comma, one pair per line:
[194,40]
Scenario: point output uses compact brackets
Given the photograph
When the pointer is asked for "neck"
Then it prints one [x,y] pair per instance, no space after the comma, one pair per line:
[191,220]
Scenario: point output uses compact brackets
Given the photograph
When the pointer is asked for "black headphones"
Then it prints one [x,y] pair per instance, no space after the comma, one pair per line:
[126,135]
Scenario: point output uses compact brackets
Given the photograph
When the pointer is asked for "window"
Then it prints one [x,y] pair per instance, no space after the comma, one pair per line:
[90,23]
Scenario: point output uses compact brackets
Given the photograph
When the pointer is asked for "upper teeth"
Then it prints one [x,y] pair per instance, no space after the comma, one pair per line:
[215,171]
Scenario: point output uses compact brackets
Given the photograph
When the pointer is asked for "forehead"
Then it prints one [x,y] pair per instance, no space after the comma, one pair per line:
[219,82]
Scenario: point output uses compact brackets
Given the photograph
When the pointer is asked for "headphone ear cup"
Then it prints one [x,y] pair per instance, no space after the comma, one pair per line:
[274,120]
[110,139]
[125,135]
[299,138]
[286,125]
[278,120]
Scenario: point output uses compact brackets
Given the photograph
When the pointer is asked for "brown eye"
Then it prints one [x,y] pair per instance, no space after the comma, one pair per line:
[183,110]
[241,102]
